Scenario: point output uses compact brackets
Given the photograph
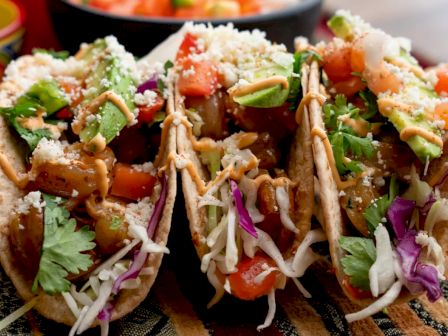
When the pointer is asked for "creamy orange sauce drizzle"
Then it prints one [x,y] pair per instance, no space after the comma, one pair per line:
[94,105]
[411,131]
[102,179]
[305,100]
[316,131]
[98,141]
[20,180]
[259,85]
[360,126]
[38,122]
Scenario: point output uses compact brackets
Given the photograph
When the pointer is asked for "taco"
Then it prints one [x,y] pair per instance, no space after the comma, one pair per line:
[246,164]
[86,200]
[378,142]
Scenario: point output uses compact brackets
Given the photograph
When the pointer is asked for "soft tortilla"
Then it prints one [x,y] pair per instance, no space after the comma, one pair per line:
[300,168]
[329,194]
[54,307]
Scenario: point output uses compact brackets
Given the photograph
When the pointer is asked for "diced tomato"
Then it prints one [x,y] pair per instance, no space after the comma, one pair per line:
[442,83]
[202,80]
[356,293]
[154,8]
[337,62]
[243,282]
[441,113]
[357,61]
[189,45]
[74,91]
[350,86]
[146,113]
[64,113]
[131,183]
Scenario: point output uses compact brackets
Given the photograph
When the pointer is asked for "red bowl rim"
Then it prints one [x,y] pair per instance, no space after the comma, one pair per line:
[17,23]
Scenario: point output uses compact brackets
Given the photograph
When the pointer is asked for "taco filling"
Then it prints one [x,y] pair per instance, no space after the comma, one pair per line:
[92,193]
[247,159]
[384,133]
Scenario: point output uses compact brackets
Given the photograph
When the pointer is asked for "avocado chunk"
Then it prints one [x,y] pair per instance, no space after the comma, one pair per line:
[341,27]
[107,74]
[272,96]
[414,88]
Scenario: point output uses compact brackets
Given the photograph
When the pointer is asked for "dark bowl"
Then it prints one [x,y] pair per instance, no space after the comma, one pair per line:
[75,24]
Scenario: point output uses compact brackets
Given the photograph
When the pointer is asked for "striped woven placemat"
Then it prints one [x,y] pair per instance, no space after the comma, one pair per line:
[177,306]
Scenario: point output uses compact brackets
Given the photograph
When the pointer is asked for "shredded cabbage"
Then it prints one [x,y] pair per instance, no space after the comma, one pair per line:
[418,191]
[271,312]
[381,273]
[282,197]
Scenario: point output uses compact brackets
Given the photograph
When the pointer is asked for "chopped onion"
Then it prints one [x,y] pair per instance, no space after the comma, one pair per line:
[271,312]
[231,257]
[381,273]
[302,289]
[282,197]
[150,84]
[243,215]
[96,307]
[217,285]
[387,299]
[399,213]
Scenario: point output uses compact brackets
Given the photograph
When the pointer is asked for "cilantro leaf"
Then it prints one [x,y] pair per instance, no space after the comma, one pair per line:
[357,264]
[343,138]
[295,85]
[370,103]
[62,247]
[45,95]
[377,210]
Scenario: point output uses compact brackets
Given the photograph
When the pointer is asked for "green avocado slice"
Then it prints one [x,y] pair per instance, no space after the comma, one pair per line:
[269,97]
[107,74]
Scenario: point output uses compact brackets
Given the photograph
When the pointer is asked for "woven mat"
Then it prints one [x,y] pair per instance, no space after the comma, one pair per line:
[177,306]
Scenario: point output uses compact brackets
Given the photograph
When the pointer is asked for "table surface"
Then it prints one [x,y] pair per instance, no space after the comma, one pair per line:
[425,22]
